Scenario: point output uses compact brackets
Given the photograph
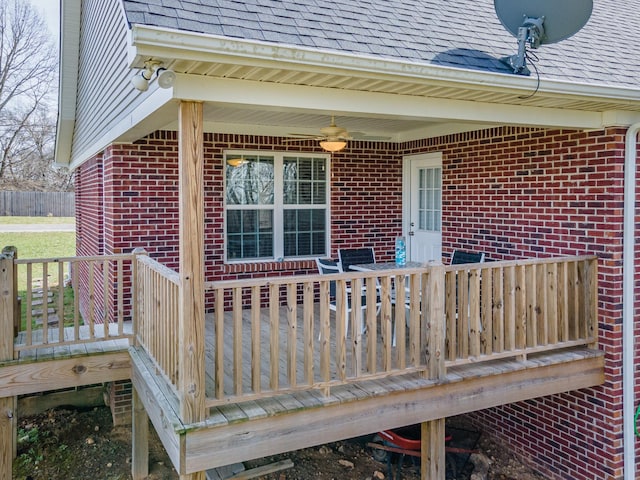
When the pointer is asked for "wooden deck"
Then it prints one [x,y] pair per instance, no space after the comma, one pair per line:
[268,424]
[53,366]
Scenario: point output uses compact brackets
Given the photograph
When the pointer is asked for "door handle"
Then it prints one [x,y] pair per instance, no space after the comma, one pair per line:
[411,233]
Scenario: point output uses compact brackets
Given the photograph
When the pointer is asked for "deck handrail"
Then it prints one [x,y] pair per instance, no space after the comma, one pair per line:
[490,311]
[157,303]
[101,315]
[516,308]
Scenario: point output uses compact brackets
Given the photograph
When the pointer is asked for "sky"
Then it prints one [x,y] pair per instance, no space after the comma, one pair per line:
[50,11]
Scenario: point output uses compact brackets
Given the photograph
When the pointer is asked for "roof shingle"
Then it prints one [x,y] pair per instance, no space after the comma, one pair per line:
[463,34]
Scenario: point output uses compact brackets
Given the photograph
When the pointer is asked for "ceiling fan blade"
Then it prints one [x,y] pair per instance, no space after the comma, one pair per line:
[372,138]
[301,139]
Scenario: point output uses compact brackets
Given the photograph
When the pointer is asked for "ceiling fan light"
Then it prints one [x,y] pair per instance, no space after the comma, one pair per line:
[333,145]
[236,162]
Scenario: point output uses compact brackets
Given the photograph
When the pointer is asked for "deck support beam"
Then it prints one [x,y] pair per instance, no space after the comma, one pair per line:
[432,451]
[140,439]
[8,416]
[191,383]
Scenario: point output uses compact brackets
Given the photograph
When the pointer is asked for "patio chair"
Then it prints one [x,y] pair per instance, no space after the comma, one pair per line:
[328,267]
[459,257]
[355,256]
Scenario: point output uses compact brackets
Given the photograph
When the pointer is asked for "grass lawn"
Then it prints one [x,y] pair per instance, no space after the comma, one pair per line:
[34,245]
[36,220]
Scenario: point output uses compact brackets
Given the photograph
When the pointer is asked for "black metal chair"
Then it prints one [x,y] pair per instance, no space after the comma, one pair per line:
[460,257]
[355,256]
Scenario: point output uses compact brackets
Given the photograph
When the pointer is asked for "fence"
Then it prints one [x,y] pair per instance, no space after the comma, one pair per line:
[37,204]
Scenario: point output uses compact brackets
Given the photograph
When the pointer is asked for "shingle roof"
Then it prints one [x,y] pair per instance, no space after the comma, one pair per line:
[464,33]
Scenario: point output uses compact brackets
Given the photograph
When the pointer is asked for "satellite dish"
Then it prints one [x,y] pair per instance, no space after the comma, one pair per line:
[538,22]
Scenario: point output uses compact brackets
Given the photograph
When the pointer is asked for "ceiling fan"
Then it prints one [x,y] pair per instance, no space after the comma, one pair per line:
[332,138]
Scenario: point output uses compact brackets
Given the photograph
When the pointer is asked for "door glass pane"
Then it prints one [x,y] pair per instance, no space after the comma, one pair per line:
[430,199]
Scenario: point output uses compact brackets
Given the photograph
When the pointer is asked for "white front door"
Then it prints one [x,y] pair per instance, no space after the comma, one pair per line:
[423,207]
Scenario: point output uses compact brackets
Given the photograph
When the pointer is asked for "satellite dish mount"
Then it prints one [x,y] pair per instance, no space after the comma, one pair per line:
[530,33]
[540,22]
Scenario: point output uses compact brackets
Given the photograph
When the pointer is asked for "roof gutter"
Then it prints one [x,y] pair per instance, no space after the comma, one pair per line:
[628,301]
[149,41]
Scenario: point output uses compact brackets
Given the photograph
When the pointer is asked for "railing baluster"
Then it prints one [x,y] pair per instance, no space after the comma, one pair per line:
[532,305]
[307,320]
[451,315]
[256,358]
[28,306]
[385,322]
[552,302]
[120,296]
[219,343]
[292,329]
[341,328]
[509,308]
[61,301]
[325,332]
[521,308]
[274,325]
[45,304]
[400,319]
[474,312]
[92,301]
[415,303]
[237,340]
[563,302]
[463,313]
[486,323]
[498,310]
[105,292]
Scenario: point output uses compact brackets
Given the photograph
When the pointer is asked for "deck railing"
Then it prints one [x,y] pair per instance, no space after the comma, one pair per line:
[157,310]
[279,335]
[49,310]
[512,309]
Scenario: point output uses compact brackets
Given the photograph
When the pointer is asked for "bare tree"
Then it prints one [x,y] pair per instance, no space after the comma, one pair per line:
[28,66]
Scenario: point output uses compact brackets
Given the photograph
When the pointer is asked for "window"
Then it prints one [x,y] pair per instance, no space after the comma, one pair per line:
[276,206]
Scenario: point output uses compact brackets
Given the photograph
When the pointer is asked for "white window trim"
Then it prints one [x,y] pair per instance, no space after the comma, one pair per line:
[278,205]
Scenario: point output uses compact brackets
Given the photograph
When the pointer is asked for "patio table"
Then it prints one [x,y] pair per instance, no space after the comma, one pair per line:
[376,267]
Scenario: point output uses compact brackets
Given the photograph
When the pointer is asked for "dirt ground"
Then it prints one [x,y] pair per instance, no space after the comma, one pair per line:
[66,444]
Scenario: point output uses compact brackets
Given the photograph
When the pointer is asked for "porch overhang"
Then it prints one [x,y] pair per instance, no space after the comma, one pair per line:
[258,88]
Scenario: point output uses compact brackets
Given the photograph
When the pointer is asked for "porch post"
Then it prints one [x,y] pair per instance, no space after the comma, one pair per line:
[432,455]
[432,450]
[191,381]
[191,378]
[8,420]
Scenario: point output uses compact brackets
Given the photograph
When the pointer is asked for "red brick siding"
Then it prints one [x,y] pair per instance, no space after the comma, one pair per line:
[89,231]
[517,192]
[511,192]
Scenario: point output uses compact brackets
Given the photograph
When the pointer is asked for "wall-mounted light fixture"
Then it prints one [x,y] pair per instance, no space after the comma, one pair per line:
[165,77]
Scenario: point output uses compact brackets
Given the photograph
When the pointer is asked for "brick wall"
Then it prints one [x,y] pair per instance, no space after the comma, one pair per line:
[518,192]
[89,231]
[511,192]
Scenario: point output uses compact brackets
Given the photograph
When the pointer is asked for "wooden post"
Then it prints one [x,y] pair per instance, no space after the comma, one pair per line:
[140,439]
[432,454]
[135,293]
[13,251]
[435,324]
[8,417]
[191,378]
